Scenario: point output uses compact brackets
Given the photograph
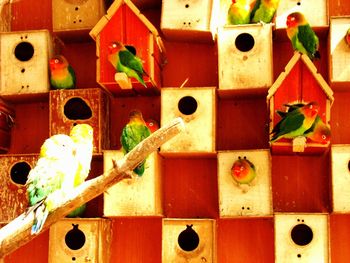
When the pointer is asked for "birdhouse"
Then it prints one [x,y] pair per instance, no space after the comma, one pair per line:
[80,240]
[301,238]
[250,47]
[299,83]
[5,16]
[340,161]
[74,106]
[197,107]
[24,60]
[13,177]
[252,198]
[125,23]
[140,196]
[316,12]
[7,117]
[75,18]
[339,52]
[188,240]
[187,20]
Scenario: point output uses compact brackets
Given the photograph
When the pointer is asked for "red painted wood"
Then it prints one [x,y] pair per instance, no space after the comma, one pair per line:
[339,237]
[242,240]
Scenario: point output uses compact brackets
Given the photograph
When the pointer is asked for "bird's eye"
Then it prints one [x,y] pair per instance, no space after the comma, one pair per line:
[56,61]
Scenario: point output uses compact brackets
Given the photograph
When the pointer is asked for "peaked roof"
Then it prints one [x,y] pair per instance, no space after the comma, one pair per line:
[113,9]
[308,63]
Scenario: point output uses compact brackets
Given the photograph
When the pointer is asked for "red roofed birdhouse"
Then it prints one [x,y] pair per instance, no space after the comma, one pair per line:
[124,23]
[300,84]
[13,177]
[70,107]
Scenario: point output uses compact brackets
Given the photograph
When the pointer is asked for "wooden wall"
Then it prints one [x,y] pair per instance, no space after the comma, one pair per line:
[300,184]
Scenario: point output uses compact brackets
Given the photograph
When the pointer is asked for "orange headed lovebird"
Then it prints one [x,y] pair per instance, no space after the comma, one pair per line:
[239,12]
[295,122]
[62,75]
[243,171]
[264,11]
[124,59]
[133,133]
[302,36]
[347,37]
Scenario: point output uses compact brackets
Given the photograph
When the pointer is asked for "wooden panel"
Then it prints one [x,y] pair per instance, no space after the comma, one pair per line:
[339,226]
[245,240]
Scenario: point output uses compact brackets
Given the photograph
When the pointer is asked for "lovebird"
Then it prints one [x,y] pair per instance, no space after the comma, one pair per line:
[239,12]
[243,171]
[347,37]
[295,122]
[318,132]
[264,11]
[133,133]
[124,59]
[82,136]
[152,125]
[62,75]
[55,169]
[302,36]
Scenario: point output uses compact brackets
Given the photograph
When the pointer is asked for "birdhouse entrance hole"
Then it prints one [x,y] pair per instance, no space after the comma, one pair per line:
[19,172]
[188,239]
[187,105]
[75,238]
[349,165]
[244,42]
[77,109]
[302,235]
[24,51]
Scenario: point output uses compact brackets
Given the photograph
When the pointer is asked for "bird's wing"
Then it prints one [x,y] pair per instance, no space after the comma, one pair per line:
[254,5]
[127,59]
[308,38]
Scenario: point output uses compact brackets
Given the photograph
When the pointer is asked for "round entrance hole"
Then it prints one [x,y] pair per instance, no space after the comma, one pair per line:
[77,109]
[75,238]
[244,42]
[302,234]
[187,105]
[24,51]
[188,239]
[19,172]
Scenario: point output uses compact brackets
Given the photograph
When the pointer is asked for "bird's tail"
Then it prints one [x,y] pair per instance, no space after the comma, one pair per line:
[140,169]
[41,213]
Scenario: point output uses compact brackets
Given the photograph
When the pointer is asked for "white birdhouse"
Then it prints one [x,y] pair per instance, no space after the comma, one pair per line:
[339,53]
[340,161]
[80,240]
[76,15]
[243,51]
[301,238]
[253,199]
[188,240]
[140,196]
[197,108]
[24,60]
[187,19]
[316,12]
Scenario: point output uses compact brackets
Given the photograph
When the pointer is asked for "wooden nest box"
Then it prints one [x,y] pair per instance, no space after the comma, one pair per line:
[125,23]
[299,83]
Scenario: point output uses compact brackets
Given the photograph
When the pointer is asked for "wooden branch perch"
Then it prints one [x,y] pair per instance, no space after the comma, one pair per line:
[18,232]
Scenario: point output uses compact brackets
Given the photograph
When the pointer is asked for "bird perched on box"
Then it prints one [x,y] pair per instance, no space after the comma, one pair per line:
[62,75]
[82,136]
[295,122]
[243,171]
[124,59]
[54,170]
[239,12]
[301,35]
[263,11]
[133,133]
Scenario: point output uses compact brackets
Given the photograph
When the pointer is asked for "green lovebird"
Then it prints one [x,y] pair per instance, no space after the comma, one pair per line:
[82,136]
[239,12]
[302,36]
[62,75]
[295,122]
[264,11]
[54,170]
[124,59]
[243,171]
[318,132]
[133,133]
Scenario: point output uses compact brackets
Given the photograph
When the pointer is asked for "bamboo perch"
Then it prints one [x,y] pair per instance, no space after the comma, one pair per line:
[18,232]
